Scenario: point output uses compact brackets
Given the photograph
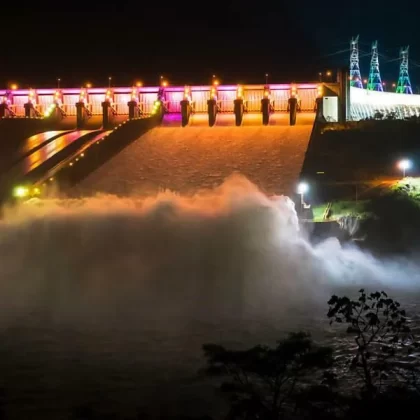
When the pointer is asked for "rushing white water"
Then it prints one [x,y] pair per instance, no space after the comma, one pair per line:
[168,269]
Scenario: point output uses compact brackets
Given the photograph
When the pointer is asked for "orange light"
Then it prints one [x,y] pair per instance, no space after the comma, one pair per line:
[82,95]
[139,84]
[14,86]
[164,84]
[57,93]
[88,85]
[134,95]
[216,82]
[320,90]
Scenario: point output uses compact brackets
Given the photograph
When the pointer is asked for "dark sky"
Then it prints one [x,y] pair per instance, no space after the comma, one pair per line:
[188,41]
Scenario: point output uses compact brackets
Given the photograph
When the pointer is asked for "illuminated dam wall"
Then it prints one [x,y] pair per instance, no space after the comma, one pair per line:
[368,103]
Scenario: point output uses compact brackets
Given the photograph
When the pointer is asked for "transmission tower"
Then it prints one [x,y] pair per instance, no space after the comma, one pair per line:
[355,77]
[375,82]
[404,85]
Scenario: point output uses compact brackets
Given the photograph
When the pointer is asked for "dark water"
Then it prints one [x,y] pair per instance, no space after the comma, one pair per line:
[106,302]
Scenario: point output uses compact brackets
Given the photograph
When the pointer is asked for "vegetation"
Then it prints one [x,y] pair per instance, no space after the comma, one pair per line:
[380,332]
[341,208]
[264,380]
[298,379]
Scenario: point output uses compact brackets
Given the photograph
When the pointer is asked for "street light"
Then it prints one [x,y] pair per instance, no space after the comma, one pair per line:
[404,165]
[303,188]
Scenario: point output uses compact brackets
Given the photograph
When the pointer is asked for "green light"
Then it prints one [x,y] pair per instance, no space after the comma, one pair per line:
[20,192]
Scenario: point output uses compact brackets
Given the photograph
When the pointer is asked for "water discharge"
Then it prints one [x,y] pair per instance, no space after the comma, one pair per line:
[213,266]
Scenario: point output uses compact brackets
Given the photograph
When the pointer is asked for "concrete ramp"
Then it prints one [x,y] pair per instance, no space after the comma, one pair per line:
[189,159]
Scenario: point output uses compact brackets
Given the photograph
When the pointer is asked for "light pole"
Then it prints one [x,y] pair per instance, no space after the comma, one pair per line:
[58,83]
[404,165]
[109,82]
[302,189]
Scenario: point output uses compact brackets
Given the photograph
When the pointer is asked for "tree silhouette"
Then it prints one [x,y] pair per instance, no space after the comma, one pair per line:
[263,381]
[380,331]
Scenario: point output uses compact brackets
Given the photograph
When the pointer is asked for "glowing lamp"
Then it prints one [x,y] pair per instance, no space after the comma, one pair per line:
[14,86]
[320,90]
[139,84]
[404,165]
[239,93]
[88,85]
[82,97]
[216,82]
[213,93]
[134,95]
[164,83]
[302,188]
[20,192]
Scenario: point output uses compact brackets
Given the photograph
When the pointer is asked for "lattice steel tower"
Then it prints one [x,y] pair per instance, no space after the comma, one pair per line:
[375,82]
[404,85]
[355,77]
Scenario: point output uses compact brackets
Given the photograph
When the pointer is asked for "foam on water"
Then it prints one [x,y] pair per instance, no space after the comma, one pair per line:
[107,301]
[227,253]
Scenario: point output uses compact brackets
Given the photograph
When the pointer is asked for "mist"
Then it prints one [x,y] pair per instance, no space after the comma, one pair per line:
[228,253]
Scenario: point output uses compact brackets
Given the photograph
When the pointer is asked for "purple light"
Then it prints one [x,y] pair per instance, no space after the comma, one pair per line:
[155,89]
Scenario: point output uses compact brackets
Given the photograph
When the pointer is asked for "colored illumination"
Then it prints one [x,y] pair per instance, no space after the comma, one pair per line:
[216,82]
[14,86]
[139,84]
[134,95]
[381,99]
[20,192]
[88,85]
[320,91]
[240,92]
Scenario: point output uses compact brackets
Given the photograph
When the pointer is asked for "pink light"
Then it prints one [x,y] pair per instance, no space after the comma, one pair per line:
[20,92]
[97,90]
[71,91]
[155,89]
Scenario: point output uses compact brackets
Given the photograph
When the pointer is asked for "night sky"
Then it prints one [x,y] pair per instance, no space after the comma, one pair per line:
[187,42]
